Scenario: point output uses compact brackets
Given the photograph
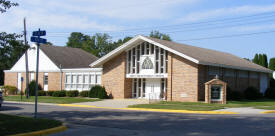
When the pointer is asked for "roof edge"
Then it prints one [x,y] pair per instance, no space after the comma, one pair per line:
[235,67]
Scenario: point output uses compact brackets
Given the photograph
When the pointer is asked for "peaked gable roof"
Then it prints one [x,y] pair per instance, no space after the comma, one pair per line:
[68,57]
[195,54]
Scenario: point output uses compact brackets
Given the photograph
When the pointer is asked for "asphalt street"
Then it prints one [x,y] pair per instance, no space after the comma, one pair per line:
[93,121]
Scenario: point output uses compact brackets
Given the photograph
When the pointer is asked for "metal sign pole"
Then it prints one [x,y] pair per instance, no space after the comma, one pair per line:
[38,40]
[36,81]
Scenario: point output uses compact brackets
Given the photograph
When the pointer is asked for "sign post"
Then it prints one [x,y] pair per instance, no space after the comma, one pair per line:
[21,92]
[36,38]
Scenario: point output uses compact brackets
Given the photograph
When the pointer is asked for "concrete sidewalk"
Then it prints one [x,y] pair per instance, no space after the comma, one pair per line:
[244,110]
[115,103]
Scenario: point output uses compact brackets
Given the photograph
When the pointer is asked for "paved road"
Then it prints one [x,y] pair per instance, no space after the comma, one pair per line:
[89,121]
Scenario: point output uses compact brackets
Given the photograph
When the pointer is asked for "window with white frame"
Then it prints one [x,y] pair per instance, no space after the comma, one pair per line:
[147,56]
[81,81]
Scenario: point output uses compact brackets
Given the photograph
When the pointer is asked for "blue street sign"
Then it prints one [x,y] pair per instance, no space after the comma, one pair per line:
[38,33]
[38,40]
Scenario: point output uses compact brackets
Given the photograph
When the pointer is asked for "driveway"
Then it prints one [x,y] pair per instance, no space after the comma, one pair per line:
[115,103]
[97,121]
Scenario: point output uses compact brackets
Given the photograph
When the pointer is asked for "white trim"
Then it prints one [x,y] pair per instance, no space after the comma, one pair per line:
[63,70]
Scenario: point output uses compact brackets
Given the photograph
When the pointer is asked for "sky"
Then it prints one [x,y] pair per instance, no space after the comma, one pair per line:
[240,27]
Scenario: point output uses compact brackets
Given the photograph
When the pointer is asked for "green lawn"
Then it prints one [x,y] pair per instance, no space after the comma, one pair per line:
[10,124]
[200,106]
[49,99]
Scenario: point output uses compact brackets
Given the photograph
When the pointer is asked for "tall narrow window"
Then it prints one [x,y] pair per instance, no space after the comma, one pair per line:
[135,88]
[142,48]
[143,87]
[166,62]
[45,79]
[139,86]
[129,61]
[147,48]
[152,49]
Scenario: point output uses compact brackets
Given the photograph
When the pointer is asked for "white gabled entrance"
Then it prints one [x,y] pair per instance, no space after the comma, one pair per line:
[149,88]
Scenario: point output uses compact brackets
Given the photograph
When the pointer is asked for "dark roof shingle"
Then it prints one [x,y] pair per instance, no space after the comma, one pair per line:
[207,56]
[68,57]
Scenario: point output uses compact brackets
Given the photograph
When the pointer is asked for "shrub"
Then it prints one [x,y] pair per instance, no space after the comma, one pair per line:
[270,93]
[98,92]
[84,93]
[272,83]
[32,88]
[233,95]
[61,93]
[73,93]
[41,93]
[252,93]
[49,93]
[10,90]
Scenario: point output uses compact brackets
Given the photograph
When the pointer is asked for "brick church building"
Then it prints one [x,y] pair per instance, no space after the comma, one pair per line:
[144,67]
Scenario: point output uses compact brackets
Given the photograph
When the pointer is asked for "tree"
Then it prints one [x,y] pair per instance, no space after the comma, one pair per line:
[11,49]
[265,61]
[256,59]
[158,35]
[272,64]
[77,39]
[6,4]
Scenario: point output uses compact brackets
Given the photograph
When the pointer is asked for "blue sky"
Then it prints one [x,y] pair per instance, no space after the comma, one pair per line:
[181,19]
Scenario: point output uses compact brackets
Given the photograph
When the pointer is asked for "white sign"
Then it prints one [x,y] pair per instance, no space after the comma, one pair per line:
[146,76]
[183,95]
[274,75]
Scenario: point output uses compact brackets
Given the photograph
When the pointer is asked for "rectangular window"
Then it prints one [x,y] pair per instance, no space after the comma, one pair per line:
[142,49]
[45,79]
[92,79]
[68,79]
[98,79]
[147,48]
[129,61]
[152,48]
[74,79]
[143,87]
[86,79]
[79,79]
[135,88]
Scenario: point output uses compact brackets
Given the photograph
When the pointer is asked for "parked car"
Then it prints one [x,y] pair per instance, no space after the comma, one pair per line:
[1,98]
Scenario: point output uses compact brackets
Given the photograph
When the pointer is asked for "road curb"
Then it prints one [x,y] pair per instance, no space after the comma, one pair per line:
[153,110]
[268,112]
[44,132]
[29,103]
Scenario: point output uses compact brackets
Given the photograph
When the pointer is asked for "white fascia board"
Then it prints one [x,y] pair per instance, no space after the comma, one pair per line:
[83,70]
[125,46]
[170,50]
[234,67]
[114,52]
[22,71]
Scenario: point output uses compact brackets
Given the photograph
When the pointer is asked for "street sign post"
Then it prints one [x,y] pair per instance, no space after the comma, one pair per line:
[36,38]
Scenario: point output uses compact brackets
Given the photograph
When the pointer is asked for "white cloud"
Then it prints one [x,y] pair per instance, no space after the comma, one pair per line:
[96,15]
[241,10]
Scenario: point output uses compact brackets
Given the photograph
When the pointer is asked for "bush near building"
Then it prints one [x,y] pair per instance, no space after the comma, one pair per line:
[32,88]
[61,93]
[252,93]
[73,93]
[84,93]
[49,93]
[98,92]
[233,95]
[41,93]
[9,90]
[270,93]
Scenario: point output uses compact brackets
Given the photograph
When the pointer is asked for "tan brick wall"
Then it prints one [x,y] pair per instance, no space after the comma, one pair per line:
[53,80]
[10,79]
[182,78]
[113,78]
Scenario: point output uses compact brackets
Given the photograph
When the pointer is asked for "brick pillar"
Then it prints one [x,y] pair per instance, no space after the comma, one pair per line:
[169,79]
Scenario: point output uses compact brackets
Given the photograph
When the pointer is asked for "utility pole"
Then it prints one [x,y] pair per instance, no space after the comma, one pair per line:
[26,61]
